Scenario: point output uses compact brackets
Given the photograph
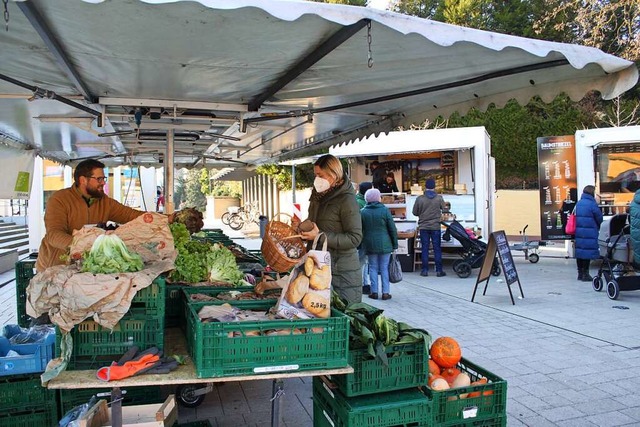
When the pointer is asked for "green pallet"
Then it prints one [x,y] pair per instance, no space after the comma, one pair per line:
[94,345]
[69,399]
[408,407]
[218,352]
[23,392]
[24,272]
[451,409]
[46,416]
[407,366]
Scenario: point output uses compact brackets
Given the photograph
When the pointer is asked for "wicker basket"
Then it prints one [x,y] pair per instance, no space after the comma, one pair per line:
[277,246]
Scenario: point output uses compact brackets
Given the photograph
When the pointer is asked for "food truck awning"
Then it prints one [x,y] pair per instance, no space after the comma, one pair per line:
[246,82]
[412,141]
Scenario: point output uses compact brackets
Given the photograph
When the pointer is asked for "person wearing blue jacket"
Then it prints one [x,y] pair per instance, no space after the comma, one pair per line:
[634,220]
[588,220]
[379,239]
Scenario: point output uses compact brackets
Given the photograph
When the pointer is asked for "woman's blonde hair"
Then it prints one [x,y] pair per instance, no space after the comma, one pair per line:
[331,165]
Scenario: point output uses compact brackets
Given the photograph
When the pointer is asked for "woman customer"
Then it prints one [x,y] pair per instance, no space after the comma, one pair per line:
[389,184]
[335,212]
[588,220]
[380,238]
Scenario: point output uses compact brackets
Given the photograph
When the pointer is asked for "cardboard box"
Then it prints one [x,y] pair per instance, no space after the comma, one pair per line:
[155,415]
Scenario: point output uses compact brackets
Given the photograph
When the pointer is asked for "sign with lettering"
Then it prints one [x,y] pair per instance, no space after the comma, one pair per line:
[498,245]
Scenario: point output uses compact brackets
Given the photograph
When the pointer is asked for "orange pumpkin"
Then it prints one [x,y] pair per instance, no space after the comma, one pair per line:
[434,369]
[445,351]
[450,374]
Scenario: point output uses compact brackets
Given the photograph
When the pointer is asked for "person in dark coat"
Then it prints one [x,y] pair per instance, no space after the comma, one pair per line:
[335,212]
[389,185]
[380,238]
[588,220]
[378,174]
[634,220]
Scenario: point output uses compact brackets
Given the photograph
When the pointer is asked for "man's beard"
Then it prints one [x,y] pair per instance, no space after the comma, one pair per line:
[96,193]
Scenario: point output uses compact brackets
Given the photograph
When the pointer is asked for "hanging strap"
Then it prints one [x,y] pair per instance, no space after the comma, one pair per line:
[314,245]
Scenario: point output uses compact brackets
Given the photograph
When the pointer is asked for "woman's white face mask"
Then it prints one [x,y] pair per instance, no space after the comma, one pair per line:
[321,184]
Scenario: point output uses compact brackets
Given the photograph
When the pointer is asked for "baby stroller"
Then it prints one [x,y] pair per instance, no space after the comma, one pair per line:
[617,270]
[473,250]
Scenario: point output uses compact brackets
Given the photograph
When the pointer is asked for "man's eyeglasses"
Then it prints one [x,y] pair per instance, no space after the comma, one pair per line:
[100,179]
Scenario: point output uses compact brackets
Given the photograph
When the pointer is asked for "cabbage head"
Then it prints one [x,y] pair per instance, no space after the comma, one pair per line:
[109,255]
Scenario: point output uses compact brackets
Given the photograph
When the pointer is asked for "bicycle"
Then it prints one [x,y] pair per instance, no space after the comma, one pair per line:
[231,210]
[245,216]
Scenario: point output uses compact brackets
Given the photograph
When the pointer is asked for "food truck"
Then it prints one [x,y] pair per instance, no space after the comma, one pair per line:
[609,158]
[458,159]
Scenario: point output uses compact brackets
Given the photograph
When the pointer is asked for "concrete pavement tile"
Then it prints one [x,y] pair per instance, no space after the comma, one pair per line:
[614,418]
[532,402]
[613,389]
[537,421]
[576,422]
[599,406]
[561,413]
[556,400]
[629,400]
[633,413]
[518,410]
[231,421]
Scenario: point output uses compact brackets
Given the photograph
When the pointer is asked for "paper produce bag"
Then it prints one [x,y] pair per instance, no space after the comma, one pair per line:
[308,291]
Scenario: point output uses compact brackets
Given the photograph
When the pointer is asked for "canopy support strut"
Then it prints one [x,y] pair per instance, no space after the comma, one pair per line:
[36,21]
[339,37]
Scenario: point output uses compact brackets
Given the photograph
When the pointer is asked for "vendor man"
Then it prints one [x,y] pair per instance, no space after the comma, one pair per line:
[74,207]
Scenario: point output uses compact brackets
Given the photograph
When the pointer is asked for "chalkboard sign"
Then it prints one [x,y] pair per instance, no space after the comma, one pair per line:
[498,244]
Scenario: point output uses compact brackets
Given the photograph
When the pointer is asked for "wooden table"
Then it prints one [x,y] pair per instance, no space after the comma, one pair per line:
[175,343]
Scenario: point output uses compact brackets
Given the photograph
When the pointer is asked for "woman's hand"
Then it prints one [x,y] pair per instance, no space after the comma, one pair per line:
[310,235]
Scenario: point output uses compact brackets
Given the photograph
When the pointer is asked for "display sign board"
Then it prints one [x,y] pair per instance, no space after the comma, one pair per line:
[498,245]
[556,177]
[17,173]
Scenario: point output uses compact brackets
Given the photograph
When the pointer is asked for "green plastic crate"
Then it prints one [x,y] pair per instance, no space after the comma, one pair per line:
[150,301]
[69,399]
[408,407]
[174,310]
[407,366]
[45,416]
[24,272]
[451,409]
[94,345]
[218,352]
[188,291]
[23,392]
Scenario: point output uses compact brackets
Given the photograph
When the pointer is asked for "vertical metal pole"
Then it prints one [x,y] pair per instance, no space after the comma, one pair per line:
[168,174]
[277,391]
[293,182]
[116,407]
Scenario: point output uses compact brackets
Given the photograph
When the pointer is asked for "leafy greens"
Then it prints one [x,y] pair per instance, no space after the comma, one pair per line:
[109,255]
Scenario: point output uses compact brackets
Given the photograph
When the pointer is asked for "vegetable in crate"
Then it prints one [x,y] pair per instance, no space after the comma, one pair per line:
[191,218]
[109,255]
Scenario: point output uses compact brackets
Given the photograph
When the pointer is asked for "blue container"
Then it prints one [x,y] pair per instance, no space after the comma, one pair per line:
[32,357]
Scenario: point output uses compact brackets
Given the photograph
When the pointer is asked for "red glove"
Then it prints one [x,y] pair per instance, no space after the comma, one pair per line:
[128,369]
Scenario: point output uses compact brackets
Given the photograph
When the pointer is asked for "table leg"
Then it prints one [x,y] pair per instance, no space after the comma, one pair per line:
[276,393]
[116,407]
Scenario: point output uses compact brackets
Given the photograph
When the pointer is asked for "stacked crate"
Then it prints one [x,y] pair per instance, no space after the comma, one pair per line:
[475,405]
[376,393]
[24,402]
[222,349]
[95,346]
[24,272]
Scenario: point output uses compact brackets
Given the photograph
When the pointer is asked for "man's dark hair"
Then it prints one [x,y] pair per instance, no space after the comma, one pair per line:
[375,163]
[85,168]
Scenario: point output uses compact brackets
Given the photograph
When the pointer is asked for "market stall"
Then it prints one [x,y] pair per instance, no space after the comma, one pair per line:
[458,159]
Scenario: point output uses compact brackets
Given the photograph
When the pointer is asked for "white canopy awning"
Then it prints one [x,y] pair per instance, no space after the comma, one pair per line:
[412,141]
[256,81]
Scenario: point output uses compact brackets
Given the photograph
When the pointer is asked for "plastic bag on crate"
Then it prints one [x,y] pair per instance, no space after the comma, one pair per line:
[307,293]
